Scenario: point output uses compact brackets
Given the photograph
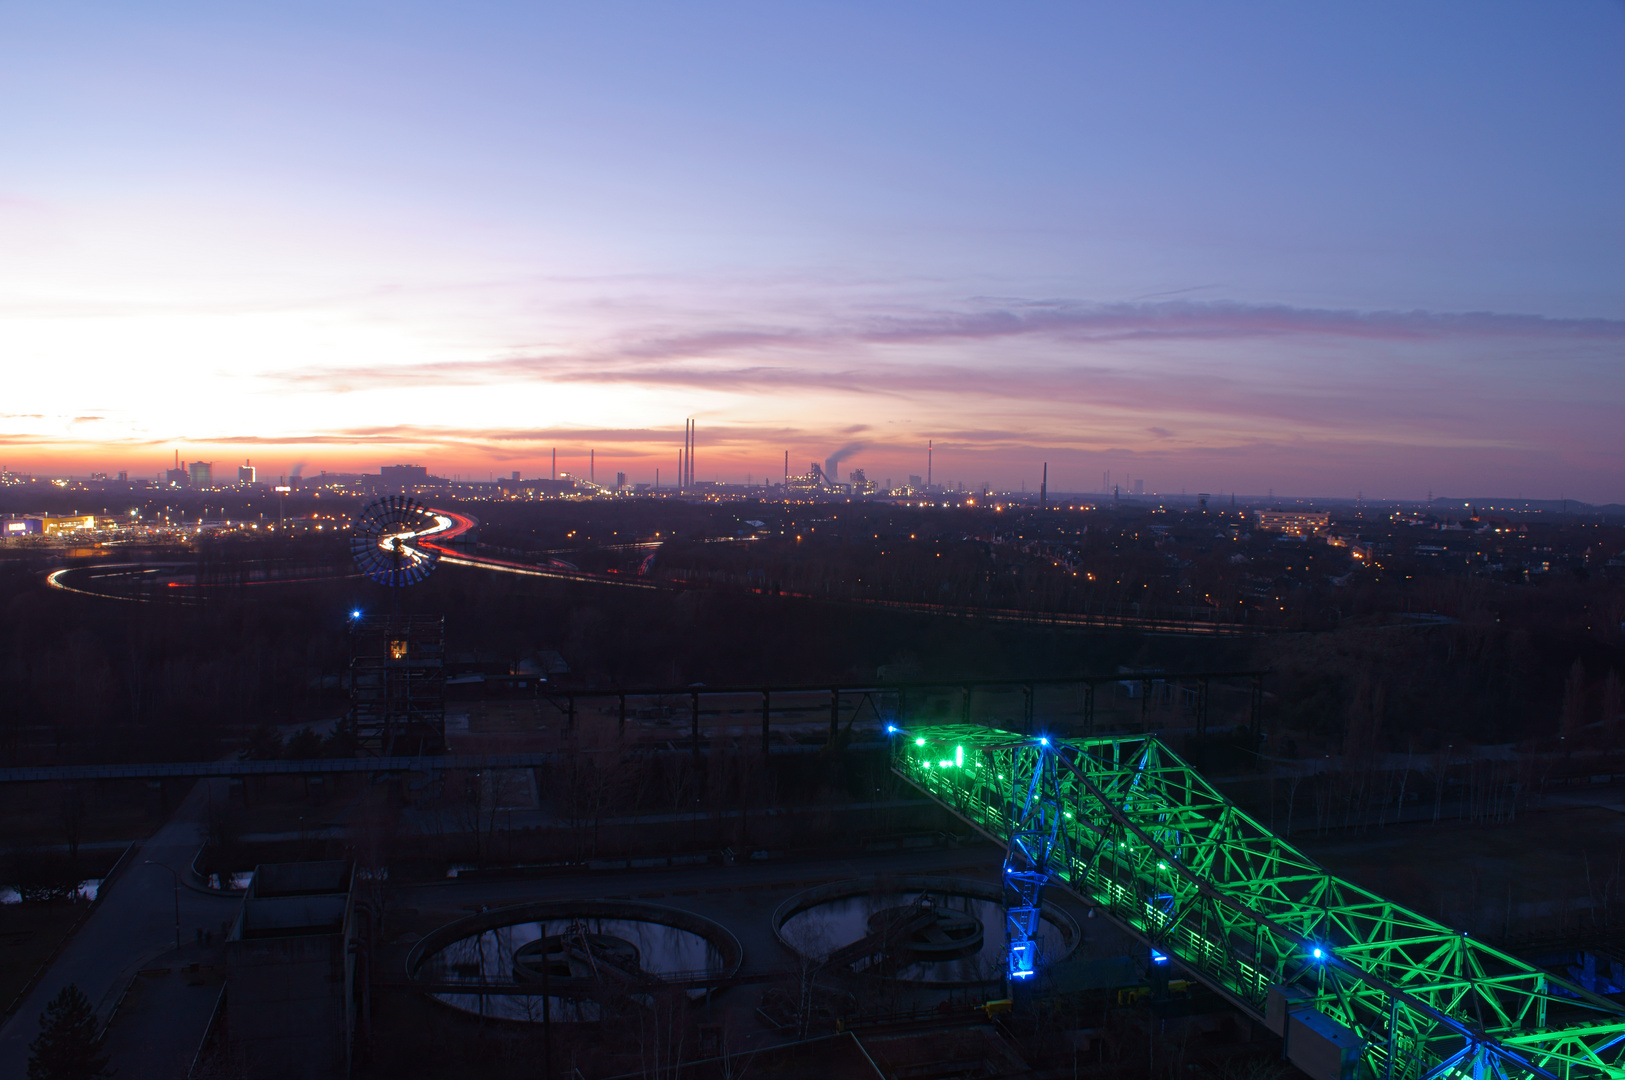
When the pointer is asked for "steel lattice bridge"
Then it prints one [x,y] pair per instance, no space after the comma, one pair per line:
[1126,825]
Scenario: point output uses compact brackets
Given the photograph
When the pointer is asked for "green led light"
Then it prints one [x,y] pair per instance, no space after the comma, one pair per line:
[1249,938]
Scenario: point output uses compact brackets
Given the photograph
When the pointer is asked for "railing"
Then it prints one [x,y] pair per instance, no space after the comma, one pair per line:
[1166,856]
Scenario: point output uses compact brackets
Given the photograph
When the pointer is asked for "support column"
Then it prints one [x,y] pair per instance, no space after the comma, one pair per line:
[964,705]
[1201,706]
[1393,1037]
[1027,709]
[1089,708]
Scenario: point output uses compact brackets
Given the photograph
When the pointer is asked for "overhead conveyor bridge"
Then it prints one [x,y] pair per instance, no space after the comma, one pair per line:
[1389,994]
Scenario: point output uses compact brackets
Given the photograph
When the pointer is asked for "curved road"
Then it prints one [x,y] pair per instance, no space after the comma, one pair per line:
[133,926]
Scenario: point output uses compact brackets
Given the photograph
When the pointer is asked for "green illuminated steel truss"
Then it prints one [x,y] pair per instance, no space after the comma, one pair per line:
[1150,842]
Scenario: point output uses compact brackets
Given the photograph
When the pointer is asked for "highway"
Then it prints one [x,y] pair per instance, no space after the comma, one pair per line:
[449,526]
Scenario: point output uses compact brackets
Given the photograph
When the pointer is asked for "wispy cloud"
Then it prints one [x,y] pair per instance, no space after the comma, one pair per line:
[777,356]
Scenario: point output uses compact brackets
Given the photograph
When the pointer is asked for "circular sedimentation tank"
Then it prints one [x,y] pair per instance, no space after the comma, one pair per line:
[937,931]
[582,956]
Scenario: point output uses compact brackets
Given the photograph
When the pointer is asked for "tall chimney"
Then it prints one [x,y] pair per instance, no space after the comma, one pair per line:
[1043,488]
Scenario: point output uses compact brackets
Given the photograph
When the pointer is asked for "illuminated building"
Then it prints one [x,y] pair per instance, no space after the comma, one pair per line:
[1292,522]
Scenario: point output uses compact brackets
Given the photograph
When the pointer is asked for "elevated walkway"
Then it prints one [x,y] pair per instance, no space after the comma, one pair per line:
[1359,986]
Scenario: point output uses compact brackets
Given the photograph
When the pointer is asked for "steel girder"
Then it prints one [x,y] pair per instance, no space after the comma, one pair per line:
[1126,825]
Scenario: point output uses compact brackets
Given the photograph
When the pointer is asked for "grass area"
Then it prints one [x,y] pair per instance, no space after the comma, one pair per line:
[47,813]
[29,933]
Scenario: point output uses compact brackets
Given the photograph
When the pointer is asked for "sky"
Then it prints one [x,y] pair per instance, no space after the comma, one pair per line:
[1318,249]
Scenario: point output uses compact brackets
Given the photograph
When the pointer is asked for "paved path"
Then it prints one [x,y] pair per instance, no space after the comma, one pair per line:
[132,927]
[161,1024]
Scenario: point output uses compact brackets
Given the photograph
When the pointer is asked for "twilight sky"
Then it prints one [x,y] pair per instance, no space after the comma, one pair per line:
[1317,249]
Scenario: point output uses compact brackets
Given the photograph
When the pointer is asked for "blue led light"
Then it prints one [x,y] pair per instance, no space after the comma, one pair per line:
[1158,958]
[892,729]
[1042,741]
[1316,953]
[356,614]
[1021,959]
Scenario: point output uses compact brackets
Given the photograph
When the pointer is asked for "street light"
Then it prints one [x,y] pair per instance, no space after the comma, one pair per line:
[177,878]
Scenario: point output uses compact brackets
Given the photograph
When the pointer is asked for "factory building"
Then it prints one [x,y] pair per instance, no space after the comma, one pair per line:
[403,476]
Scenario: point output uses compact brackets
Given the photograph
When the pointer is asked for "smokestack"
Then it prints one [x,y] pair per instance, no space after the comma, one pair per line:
[832,464]
[928,464]
[1043,488]
[787,470]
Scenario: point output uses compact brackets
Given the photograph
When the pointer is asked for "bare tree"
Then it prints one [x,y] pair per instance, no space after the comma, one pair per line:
[72,817]
[1573,718]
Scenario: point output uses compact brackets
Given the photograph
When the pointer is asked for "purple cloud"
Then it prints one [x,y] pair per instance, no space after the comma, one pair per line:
[662,358]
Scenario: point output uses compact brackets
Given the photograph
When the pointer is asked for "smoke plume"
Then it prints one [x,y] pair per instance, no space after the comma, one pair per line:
[833,462]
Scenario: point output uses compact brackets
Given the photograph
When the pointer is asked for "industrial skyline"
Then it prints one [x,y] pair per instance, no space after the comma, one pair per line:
[913,540]
[1312,251]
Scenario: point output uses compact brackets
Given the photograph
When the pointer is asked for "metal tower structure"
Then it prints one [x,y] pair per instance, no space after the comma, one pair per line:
[398,662]
[398,684]
[1388,993]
